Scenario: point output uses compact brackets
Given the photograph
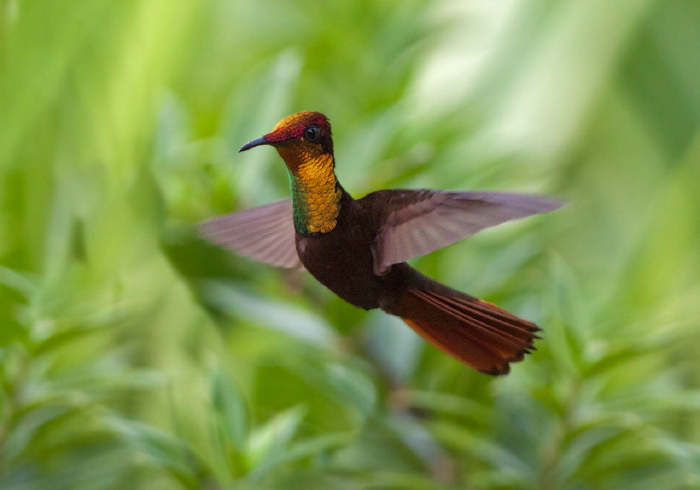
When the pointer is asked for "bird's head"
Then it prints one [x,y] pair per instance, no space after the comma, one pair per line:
[301,138]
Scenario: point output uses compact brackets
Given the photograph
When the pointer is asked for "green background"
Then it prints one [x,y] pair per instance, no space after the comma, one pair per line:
[133,355]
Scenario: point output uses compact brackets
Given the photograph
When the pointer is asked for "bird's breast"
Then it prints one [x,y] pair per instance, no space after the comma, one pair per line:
[341,260]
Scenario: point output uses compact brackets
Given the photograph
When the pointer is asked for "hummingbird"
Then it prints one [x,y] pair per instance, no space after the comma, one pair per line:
[358,248]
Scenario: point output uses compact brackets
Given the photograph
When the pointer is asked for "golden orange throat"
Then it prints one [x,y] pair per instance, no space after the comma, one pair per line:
[315,195]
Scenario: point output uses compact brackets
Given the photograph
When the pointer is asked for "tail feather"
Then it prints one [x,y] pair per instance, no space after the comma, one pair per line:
[482,332]
[478,333]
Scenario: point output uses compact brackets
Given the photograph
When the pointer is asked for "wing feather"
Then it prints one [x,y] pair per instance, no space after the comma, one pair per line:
[412,223]
[264,233]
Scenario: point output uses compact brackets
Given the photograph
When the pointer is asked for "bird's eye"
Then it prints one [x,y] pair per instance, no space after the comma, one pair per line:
[313,134]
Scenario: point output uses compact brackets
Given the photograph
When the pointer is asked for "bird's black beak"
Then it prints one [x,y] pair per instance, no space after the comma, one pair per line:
[253,144]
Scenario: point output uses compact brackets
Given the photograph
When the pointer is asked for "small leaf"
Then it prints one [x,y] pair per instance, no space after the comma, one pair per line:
[231,410]
[268,445]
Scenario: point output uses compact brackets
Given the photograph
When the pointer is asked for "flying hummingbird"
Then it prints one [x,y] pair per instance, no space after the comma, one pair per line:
[358,248]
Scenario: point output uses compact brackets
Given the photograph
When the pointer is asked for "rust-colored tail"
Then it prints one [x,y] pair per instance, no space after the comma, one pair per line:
[476,332]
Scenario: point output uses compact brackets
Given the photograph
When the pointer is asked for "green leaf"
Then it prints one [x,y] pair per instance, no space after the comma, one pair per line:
[269,444]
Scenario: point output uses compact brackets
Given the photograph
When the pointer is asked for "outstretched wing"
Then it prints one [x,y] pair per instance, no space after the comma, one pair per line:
[265,233]
[416,222]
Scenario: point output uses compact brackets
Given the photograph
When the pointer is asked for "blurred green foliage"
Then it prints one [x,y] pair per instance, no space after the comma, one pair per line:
[133,355]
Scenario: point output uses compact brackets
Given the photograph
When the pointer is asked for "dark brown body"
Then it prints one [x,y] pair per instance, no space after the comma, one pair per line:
[342,260]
